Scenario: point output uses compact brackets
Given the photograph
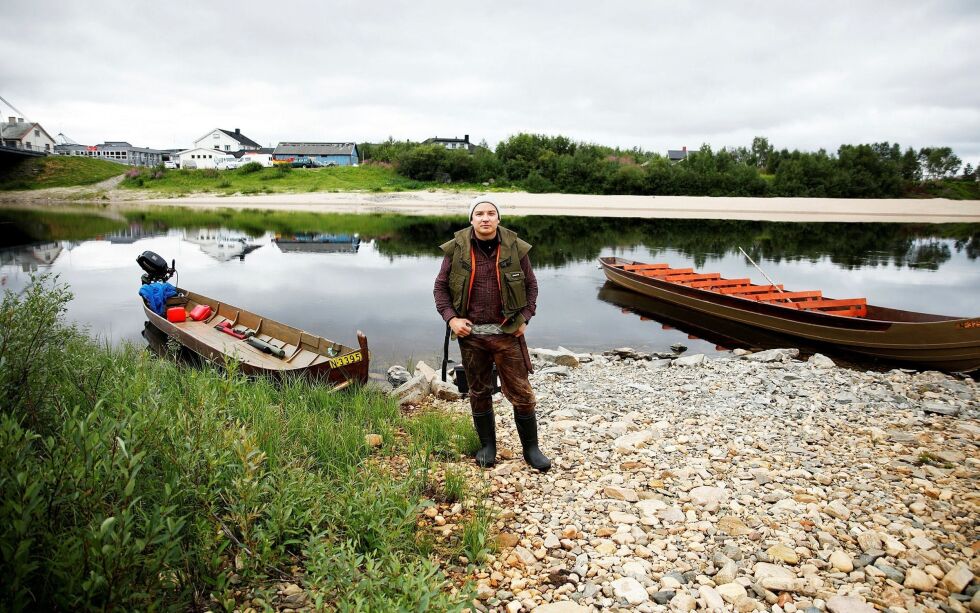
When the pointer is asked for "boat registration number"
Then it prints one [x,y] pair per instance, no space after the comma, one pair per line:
[344,360]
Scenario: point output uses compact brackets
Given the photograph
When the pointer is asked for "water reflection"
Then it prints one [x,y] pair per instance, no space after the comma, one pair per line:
[334,274]
[318,243]
[221,244]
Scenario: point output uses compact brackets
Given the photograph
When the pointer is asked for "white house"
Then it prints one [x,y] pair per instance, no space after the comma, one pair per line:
[200,157]
[225,140]
[16,132]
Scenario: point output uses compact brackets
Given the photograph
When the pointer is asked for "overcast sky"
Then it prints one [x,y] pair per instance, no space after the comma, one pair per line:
[644,73]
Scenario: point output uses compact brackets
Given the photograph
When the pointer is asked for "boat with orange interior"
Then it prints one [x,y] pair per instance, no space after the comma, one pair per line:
[908,338]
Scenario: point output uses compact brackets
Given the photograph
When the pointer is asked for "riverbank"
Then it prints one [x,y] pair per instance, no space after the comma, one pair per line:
[522,203]
[754,483]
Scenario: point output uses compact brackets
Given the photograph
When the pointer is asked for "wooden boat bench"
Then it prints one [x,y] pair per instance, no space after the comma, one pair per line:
[809,300]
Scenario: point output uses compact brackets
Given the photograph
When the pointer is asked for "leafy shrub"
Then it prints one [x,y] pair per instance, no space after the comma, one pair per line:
[249,168]
[223,184]
[128,482]
[210,173]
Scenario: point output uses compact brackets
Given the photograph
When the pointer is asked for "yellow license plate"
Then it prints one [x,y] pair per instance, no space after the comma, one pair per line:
[344,360]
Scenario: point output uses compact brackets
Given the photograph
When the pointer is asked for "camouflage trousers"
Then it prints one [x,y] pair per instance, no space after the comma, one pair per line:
[479,354]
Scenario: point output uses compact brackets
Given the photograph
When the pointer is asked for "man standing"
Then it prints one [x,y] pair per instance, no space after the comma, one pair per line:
[487,293]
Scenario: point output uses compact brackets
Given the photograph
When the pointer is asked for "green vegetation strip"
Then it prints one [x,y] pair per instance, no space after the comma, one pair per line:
[129,482]
[254,179]
[57,171]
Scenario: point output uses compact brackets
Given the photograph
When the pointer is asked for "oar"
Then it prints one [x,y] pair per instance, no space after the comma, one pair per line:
[771,282]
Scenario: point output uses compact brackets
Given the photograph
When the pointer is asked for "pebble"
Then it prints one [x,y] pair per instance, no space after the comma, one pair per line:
[763,482]
[712,599]
[683,602]
[732,592]
[630,590]
[841,561]
[848,604]
[918,580]
[957,578]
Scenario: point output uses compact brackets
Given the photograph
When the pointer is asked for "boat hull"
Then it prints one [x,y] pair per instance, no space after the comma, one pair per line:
[349,365]
[904,337]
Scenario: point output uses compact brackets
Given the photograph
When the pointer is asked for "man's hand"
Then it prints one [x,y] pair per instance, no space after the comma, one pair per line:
[460,326]
[520,331]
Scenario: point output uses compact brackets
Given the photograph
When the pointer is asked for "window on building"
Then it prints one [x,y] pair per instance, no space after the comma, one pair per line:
[37,133]
[227,147]
[27,145]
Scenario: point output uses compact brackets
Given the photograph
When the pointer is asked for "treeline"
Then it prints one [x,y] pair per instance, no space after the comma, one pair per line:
[539,163]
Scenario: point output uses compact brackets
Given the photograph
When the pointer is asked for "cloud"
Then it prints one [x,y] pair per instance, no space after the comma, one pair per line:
[650,74]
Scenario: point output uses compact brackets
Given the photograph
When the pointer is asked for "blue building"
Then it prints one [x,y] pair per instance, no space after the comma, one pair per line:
[321,154]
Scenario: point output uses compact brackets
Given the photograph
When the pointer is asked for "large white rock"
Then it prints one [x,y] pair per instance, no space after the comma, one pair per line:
[691,360]
[630,590]
[818,360]
[683,602]
[632,441]
[841,561]
[412,391]
[444,390]
[765,569]
[708,498]
[650,506]
[919,580]
[957,578]
[848,604]
[773,355]
[426,371]
[732,592]
[712,599]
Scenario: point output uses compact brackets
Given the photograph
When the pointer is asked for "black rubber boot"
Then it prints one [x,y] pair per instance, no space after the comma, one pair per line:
[527,429]
[486,430]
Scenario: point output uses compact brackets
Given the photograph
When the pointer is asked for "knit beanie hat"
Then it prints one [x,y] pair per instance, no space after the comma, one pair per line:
[480,200]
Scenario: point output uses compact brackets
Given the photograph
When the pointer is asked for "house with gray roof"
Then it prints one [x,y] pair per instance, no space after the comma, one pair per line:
[28,135]
[114,151]
[452,143]
[226,140]
[677,155]
[320,154]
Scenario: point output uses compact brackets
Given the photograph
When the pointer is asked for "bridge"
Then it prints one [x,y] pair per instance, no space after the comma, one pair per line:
[12,155]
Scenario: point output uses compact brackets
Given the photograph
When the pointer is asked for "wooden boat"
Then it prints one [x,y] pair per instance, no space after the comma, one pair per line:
[901,337]
[305,354]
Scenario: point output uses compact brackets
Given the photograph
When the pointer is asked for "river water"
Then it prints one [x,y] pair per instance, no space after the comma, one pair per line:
[381,282]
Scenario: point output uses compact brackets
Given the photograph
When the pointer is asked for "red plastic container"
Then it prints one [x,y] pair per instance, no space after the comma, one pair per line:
[201,311]
[176,314]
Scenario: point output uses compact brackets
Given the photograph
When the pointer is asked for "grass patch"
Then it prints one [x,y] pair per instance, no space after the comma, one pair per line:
[130,482]
[248,179]
[57,171]
[953,189]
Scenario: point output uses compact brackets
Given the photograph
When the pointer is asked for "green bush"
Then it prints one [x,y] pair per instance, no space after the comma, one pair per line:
[129,482]
[249,168]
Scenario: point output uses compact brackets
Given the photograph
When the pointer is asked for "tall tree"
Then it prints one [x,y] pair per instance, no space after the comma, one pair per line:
[761,152]
[940,162]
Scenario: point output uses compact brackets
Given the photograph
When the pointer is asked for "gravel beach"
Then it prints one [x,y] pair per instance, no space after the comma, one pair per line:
[754,482]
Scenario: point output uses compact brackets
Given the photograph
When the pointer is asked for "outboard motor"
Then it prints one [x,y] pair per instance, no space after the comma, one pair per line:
[156,267]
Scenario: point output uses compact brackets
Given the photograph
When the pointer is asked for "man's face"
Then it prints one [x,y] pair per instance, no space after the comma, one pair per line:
[485,221]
